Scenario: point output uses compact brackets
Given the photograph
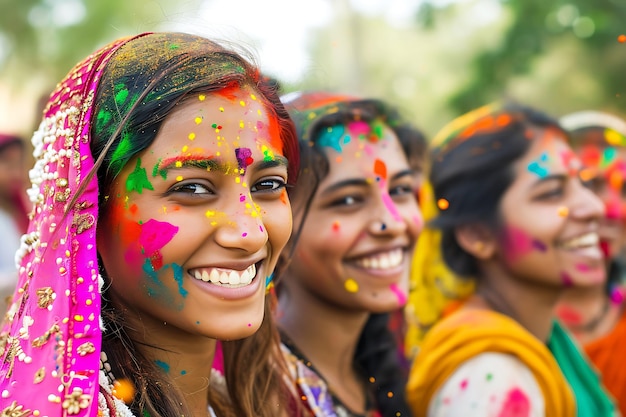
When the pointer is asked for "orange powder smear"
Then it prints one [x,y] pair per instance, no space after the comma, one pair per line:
[380,169]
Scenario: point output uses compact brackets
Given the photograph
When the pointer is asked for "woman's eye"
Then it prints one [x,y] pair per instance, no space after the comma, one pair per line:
[191,188]
[273,184]
[554,193]
[402,190]
[348,200]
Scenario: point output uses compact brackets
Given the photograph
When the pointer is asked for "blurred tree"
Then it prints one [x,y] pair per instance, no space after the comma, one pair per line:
[50,36]
[538,30]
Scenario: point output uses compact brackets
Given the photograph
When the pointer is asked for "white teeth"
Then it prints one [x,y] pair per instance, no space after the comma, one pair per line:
[226,277]
[589,239]
[387,260]
[233,278]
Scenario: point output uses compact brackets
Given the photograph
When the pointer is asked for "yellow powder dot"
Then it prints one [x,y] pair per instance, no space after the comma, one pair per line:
[351,285]
[78,317]
[241,125]
[252,96]
[443,204]
[179,178]
[192,136]
[198,120]
[259,112]
[201,97]
[213,223]
[210,213]
[242,103]
[88,302]
[237,180]
[222,109]
[185,148]
[613,138]
[80,280]
[178,164]
[563,211]
[245,184]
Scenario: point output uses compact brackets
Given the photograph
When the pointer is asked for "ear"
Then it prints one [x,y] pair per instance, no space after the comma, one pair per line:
[477,240]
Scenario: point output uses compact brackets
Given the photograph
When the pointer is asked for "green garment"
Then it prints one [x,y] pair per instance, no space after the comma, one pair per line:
[592,400]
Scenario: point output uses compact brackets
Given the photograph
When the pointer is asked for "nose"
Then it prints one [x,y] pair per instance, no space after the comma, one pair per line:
[387,218]
[242,228]
[588,206]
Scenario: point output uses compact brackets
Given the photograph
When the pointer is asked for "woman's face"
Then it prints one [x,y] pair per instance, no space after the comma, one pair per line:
[195,223]
[355,247]
[606,168]
[550,219]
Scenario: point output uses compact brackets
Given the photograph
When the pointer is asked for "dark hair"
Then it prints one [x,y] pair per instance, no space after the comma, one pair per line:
[141,85]
[472,167]
[376,354]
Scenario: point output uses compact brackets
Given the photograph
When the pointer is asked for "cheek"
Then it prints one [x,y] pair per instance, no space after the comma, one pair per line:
[518,243]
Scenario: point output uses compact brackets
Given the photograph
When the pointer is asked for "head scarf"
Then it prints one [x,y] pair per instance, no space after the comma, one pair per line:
[51,338]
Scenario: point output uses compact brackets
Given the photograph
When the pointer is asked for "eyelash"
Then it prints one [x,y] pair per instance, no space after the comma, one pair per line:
[278,185]
[400,191]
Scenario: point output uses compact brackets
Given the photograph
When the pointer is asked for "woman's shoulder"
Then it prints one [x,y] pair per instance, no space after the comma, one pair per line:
[489,384]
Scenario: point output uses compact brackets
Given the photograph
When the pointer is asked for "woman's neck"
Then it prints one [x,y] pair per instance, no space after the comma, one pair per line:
[186,360]
[529,303]
[327,335]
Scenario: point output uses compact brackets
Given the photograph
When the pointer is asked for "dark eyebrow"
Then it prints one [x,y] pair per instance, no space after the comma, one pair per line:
[363,182]
[212,163]
[551,177]
[275,161]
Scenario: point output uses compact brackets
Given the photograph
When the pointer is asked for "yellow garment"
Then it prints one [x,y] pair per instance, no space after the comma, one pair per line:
[470,332]
[433,286]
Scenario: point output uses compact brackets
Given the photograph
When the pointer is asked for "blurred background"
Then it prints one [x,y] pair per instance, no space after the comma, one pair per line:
[432,58]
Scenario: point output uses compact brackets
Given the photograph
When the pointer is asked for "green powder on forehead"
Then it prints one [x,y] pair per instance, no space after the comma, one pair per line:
[378,130]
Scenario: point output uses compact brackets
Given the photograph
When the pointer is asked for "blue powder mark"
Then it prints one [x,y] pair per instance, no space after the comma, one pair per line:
[178,277]
[269,279]
[163,365]
[183,372]
[331,137]
[537,169]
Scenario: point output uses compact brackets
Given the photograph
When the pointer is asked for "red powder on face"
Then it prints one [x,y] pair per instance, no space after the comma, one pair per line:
[133,209]
[516,404]
[273,130]
[230,91]
[380,169]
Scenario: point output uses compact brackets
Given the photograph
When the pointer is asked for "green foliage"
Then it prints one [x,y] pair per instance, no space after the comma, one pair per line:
[538,28]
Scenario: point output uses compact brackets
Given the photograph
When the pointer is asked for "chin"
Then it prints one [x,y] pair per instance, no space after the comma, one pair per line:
[237,332]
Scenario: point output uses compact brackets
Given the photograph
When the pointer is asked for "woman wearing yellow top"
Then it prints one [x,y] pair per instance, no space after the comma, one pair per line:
[514,216]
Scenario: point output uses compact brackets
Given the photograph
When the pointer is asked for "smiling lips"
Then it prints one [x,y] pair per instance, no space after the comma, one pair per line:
[382,261]
[226,277]
[587,244]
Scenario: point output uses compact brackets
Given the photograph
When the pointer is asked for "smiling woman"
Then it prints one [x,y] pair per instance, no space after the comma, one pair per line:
[161,211]
[357,222]
[519,221]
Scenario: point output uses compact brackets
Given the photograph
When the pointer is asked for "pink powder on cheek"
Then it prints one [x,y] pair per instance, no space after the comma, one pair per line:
[154,236]
[402,298]
[516,404]
[518,243]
